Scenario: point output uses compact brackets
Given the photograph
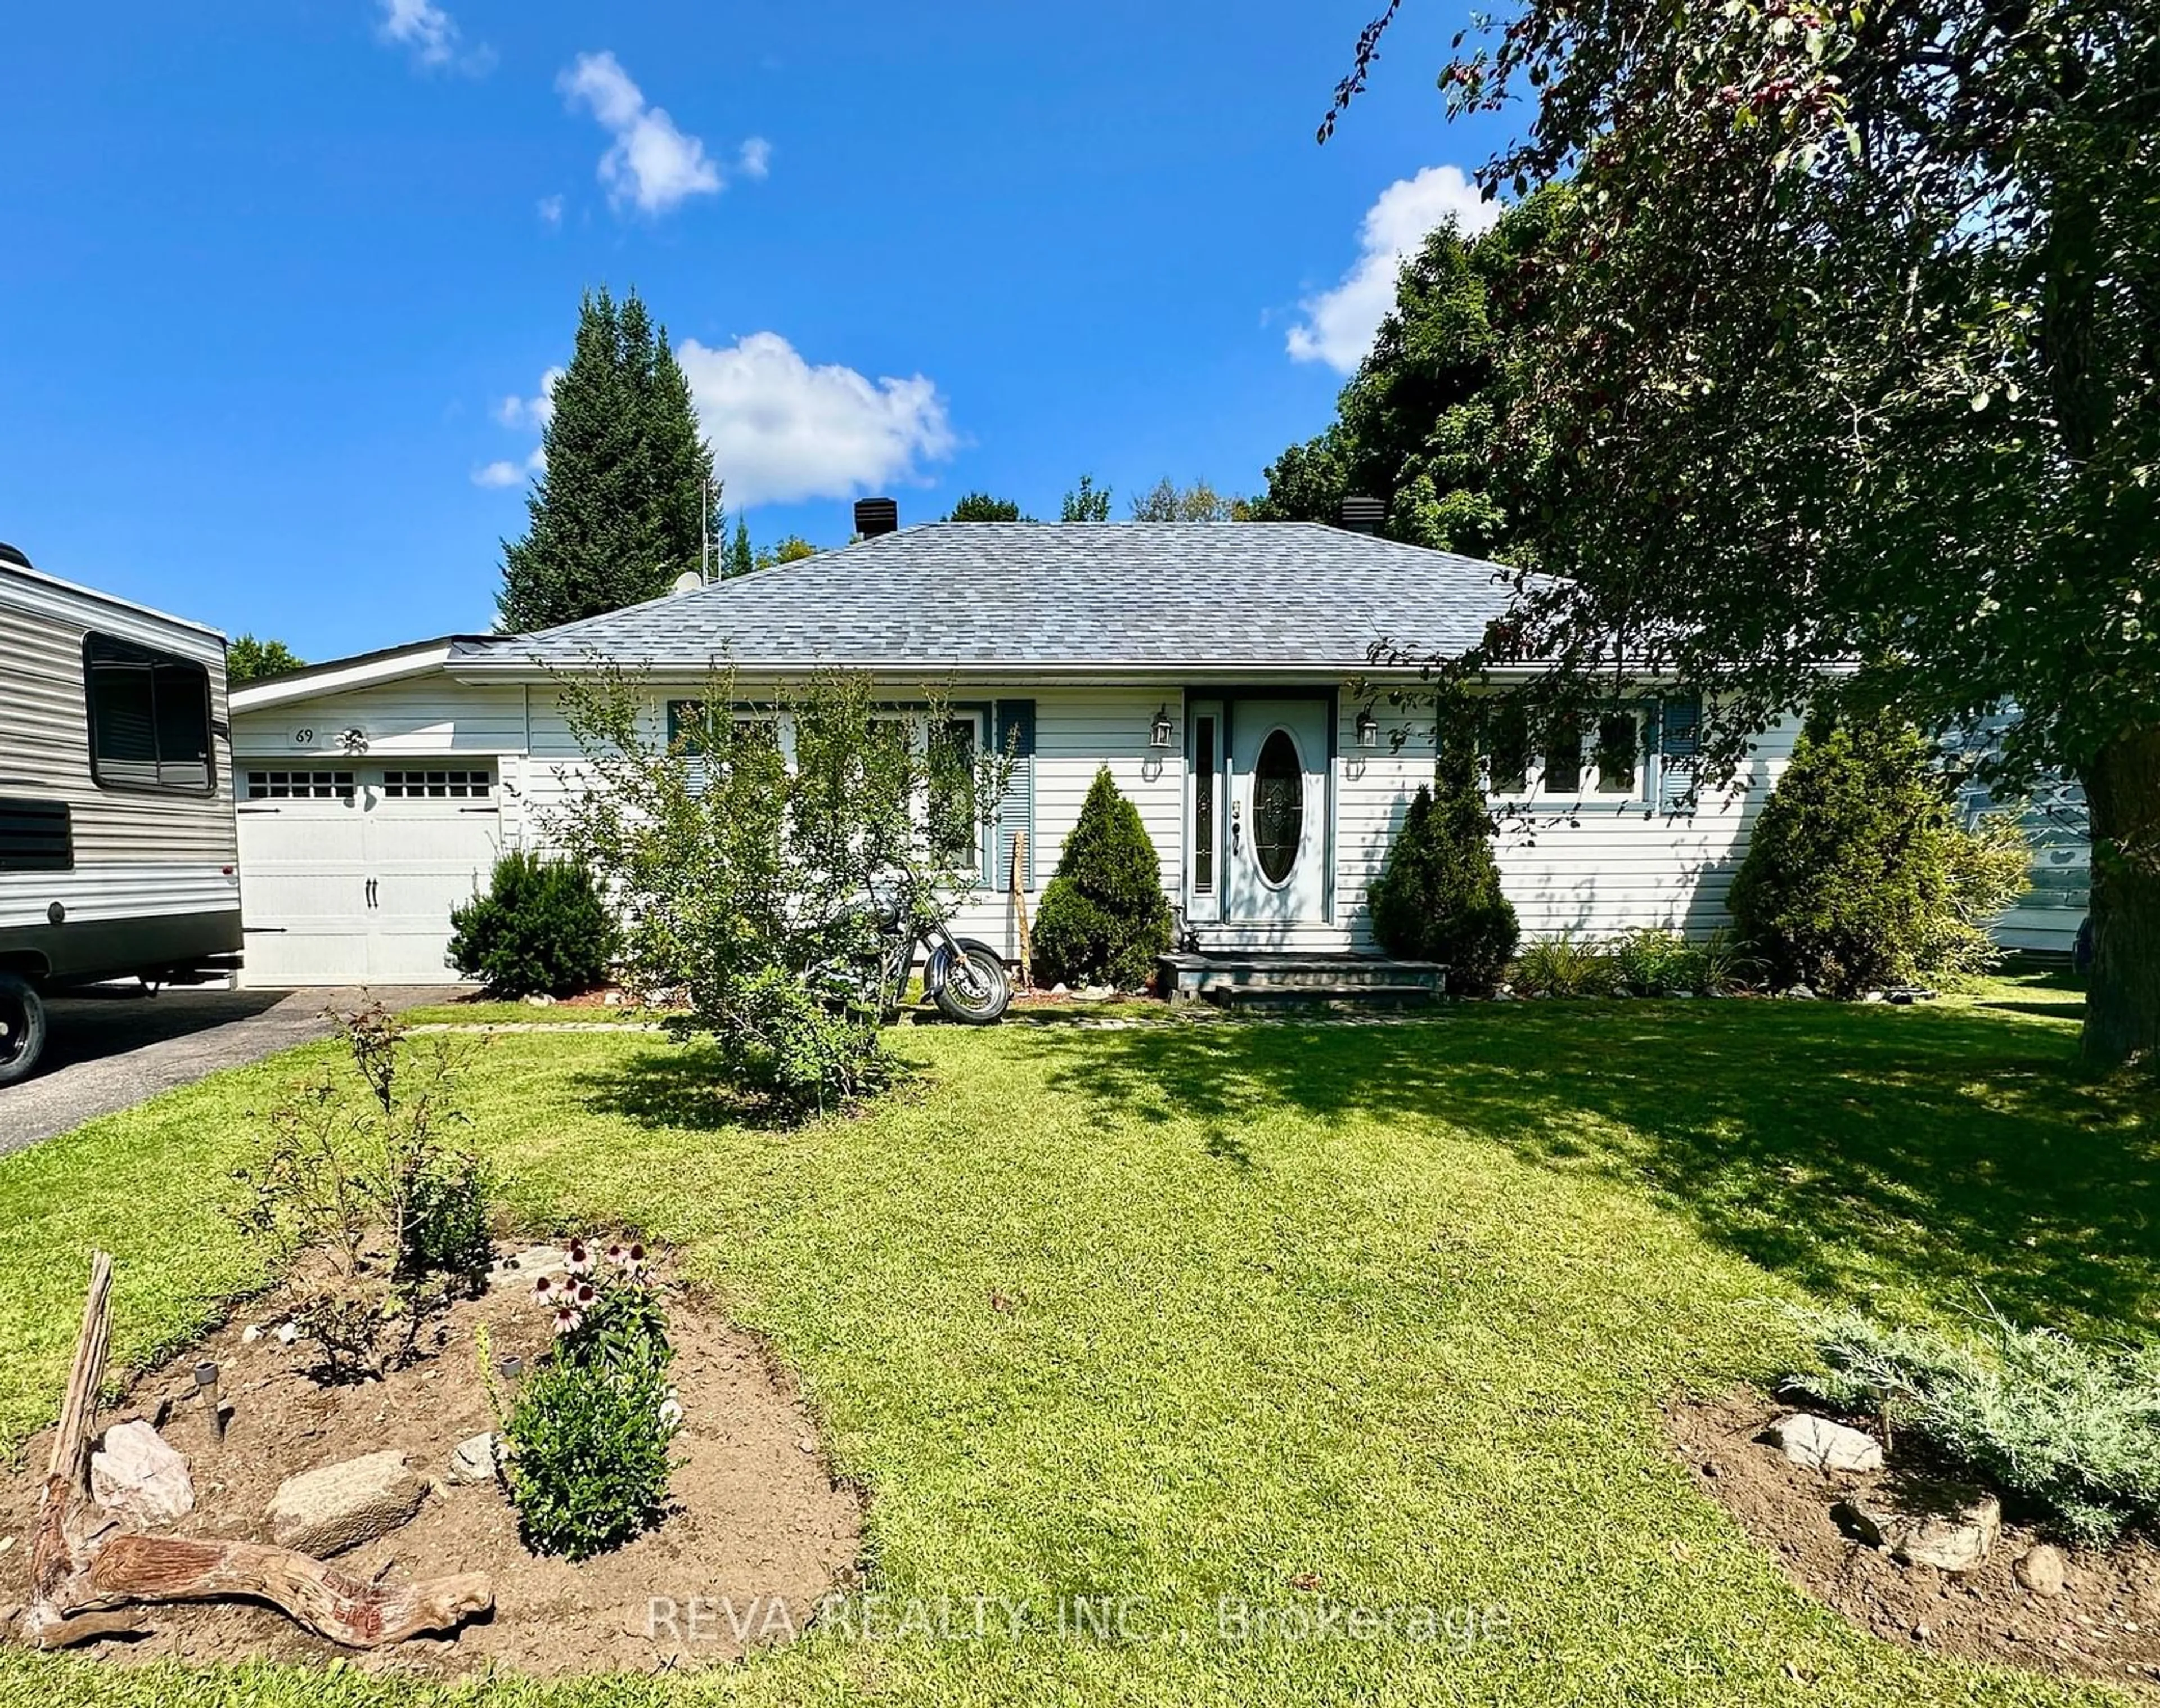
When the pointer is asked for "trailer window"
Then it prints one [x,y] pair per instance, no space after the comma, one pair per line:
[149,717]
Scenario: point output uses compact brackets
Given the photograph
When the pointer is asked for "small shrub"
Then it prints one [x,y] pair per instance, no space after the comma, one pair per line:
[2072,1428]
[542,929]
[802,1051]
[1651,959]
[1439,898]
[1104,919]
[445,1223]
[364,1183]
[1986,867]
[1724,966]
[588,1431]
[1561,966]
[1858,874]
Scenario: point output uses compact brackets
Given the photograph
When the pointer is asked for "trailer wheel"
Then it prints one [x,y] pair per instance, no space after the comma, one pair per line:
[21,1027]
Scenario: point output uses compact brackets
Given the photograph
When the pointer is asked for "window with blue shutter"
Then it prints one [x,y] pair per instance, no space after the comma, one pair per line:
[1680,729]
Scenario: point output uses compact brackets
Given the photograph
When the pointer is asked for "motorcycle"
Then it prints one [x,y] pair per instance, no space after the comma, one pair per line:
[964,976]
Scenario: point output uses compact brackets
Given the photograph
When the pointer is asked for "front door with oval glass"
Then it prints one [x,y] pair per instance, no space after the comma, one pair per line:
[1274,845]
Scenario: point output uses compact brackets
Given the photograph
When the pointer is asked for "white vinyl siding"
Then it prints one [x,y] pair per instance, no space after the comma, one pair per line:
[1594,864]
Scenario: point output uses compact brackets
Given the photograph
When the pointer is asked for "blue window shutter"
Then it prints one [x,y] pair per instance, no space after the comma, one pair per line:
[1679,729]
[1014,721]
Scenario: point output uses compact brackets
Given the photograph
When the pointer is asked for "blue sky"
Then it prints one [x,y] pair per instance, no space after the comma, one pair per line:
[284,276]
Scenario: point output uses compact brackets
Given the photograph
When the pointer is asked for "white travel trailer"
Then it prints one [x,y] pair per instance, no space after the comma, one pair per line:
[118,848]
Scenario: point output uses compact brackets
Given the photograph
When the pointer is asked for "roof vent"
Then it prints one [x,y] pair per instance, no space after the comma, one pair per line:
[1362,515]
[13,554]
[876,515]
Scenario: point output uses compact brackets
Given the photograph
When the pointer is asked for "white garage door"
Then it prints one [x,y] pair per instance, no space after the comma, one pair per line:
[348,873]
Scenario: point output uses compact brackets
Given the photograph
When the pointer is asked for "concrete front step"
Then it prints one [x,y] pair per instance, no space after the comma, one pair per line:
[1186,976]
[1321,996]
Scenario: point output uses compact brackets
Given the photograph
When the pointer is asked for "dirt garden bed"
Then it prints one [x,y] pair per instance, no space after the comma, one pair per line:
[2102,1622]
[754,1516]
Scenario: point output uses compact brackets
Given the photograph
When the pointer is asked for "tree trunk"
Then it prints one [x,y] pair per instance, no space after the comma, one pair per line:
[2122,1004]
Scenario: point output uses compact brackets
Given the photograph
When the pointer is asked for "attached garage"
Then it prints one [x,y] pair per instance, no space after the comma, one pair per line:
[373,798]
[349,872]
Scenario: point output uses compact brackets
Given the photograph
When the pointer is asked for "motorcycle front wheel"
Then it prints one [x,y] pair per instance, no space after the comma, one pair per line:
[974,990]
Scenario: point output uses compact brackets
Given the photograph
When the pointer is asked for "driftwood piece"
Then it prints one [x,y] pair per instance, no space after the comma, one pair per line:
[82,1572]
[53,1549]
[132,1569]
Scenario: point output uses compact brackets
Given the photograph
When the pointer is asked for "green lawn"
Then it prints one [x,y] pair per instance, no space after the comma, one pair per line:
[1392,1304]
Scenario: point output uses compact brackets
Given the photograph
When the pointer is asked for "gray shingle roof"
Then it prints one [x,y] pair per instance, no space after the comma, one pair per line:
[1061,597]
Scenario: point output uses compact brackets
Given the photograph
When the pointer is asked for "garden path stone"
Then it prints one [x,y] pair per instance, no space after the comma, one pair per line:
[139,1479]
[338,1507]
[1950,1529]
[522,1268]
[1819,1444]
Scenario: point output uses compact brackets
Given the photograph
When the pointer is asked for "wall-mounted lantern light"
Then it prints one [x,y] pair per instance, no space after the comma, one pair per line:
[1160,735]
[1368,729]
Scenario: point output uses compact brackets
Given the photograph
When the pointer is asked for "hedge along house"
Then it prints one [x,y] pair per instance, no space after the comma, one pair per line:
[1221,672]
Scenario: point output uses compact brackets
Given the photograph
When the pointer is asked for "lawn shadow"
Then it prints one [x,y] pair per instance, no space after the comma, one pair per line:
[1839,1146]
[685,1086]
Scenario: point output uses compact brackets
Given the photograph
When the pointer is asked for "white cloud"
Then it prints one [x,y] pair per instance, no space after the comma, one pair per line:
[432,36]
[551,209]
[1339,324]
[535,411]
[754,159]
[652,163]
[497,474]
[782,430]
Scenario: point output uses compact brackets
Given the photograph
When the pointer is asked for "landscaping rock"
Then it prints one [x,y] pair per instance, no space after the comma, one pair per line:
[325,1512]
[288,1333]
[139,1479]
[2045,1571]
[474,1460]
[1950,1529]
[540,999]
[1820,1445]
[522,1268]
[1800,993]
[251,1334]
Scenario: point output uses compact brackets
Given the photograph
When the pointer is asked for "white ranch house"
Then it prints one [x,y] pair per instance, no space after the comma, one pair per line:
[1211,668]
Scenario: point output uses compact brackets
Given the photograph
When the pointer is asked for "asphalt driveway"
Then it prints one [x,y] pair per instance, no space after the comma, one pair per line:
[109,1051]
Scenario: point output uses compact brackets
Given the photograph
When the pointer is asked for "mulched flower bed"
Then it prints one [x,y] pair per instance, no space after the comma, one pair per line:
[754,1514]
[2105,1623]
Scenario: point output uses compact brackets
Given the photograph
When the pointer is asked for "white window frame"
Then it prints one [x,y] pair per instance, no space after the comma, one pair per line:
[1588,789]
[917,720]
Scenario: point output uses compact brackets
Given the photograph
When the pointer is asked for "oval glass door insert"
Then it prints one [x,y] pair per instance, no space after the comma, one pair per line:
[1278,806]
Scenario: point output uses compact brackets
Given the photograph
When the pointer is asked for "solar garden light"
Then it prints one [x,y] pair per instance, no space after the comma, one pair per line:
[206,1385]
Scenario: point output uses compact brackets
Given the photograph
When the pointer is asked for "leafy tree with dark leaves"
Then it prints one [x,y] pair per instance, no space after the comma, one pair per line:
[617,515]
[1844,350]
[980,506]
[249,660]
[1418,425]
[1086,502]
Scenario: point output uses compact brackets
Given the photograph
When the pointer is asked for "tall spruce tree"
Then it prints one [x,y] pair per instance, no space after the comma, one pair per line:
[741,559]
[615,516]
